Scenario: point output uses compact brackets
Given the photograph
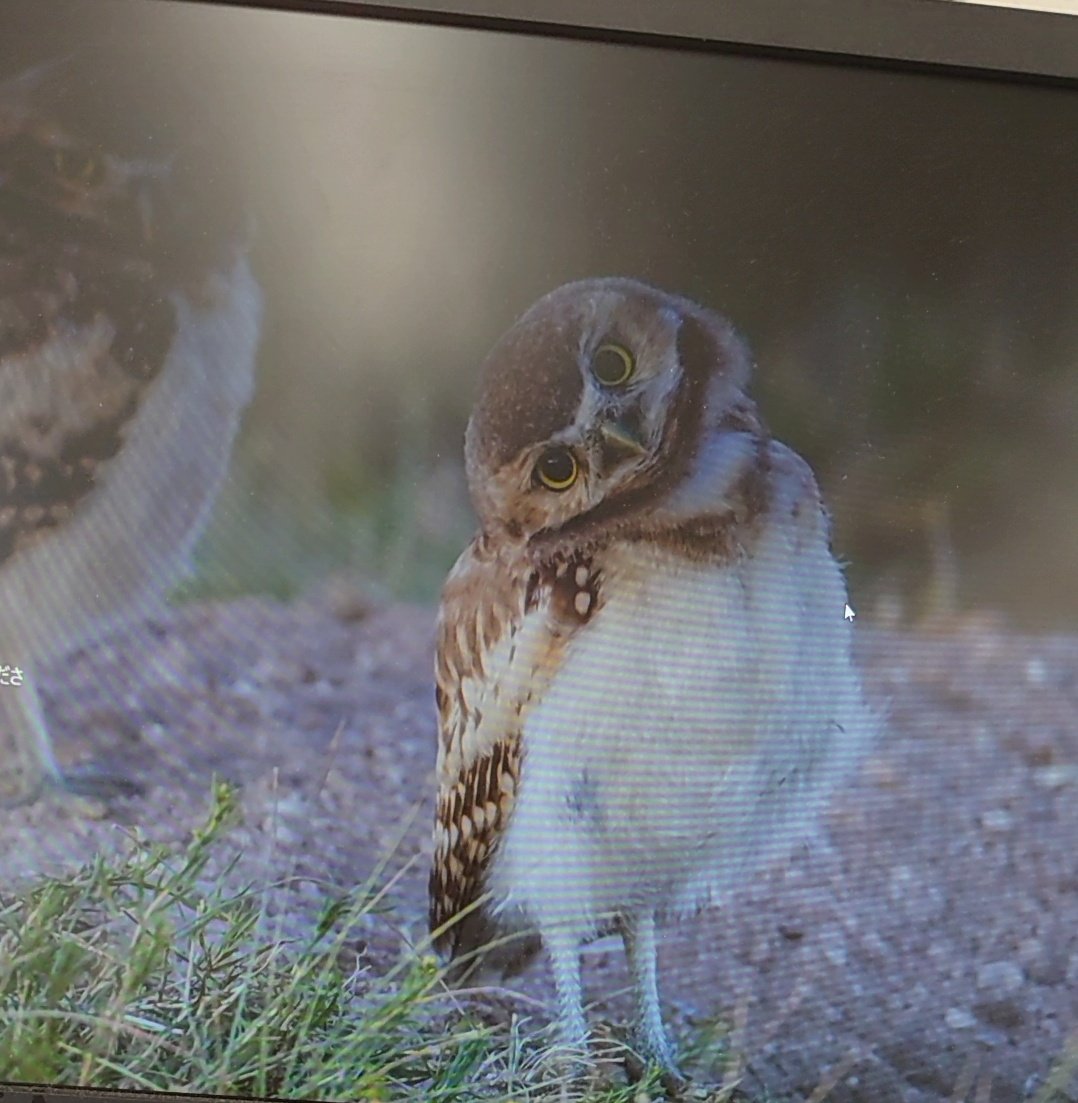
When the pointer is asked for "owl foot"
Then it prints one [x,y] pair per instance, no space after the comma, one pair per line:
[616,1045]
[29,770]
[673,1080]
[91,789]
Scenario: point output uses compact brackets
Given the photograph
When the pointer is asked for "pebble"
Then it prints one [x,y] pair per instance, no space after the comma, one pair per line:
[1001,978]
[1055,777]
[958,1018]
[156,735]
[998,821]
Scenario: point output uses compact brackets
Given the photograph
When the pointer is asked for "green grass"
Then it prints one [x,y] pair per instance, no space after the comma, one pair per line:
[390,523]
[278,548]
[145,972]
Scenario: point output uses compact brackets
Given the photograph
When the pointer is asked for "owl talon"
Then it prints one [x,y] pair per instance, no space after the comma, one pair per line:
[673,1080]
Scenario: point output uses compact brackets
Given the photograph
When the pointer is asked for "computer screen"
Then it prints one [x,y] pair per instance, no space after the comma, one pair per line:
[532,564]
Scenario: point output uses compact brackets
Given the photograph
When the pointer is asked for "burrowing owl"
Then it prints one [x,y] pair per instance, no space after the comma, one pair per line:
[128,325]
[643,674]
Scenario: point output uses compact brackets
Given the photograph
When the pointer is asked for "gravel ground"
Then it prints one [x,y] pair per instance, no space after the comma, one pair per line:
[928,953]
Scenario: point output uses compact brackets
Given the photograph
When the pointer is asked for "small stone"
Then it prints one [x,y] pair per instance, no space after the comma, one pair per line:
[834,948]
[958,1018]
[998,821]
[1001,978]
[1036,672]
[244,687]
[1055,777]
[156,735]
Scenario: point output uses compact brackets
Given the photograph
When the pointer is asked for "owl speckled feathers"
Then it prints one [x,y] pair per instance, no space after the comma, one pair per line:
[129,320]
[644,678]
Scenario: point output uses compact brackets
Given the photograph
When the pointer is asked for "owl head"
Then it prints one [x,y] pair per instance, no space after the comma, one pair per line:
[595,405]
[98,159]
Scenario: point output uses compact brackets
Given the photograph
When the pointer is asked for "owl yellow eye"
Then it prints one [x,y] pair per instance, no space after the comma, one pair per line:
[613,365]
[557,469]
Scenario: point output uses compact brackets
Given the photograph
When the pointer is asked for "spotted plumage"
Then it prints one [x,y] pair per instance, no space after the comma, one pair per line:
[128,325]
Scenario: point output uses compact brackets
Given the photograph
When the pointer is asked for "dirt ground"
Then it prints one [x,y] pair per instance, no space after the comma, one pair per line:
[929,954]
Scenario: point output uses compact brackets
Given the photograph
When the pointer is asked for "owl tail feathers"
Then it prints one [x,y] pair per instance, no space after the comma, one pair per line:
[477,950]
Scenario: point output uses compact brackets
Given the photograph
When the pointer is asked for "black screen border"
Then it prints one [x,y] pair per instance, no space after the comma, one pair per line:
[956,36]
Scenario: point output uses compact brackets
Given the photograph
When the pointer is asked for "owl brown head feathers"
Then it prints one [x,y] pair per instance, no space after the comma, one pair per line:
[594,404]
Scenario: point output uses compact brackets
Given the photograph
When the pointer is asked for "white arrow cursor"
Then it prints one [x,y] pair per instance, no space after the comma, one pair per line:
[849,614]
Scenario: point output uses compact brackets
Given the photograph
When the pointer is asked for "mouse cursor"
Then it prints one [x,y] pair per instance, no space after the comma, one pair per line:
[849,614]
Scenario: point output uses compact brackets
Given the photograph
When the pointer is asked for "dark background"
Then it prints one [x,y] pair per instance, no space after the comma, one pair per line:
[900,249]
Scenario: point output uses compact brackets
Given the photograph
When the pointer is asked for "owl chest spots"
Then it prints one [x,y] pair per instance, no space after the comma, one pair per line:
[572,587]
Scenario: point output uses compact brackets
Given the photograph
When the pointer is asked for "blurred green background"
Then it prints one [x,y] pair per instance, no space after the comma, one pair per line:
[900,249]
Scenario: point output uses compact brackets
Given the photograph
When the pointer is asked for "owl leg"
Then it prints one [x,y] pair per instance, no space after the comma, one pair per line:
[29,764]
[30,767]
[563,949]
[638,934]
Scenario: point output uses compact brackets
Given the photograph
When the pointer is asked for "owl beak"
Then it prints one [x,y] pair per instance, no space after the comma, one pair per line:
[622,440]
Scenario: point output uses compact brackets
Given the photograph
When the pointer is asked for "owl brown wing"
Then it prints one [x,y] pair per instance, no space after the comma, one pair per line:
[502,634]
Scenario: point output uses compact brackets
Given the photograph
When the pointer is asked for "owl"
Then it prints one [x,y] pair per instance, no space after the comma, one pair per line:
[643,677]
[129,319]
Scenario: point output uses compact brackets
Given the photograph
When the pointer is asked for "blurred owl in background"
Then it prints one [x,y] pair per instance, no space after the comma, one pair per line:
[644,678]
[129,322]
